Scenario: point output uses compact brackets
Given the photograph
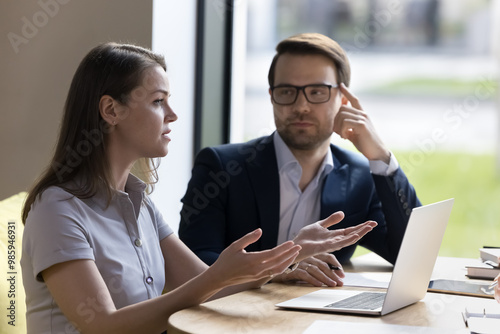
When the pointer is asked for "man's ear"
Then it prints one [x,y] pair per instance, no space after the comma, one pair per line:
[344,100]
[108,110]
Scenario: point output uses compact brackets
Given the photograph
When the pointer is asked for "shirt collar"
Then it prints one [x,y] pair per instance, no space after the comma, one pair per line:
[327,164]
[284,156]
[134,185]
[134,189]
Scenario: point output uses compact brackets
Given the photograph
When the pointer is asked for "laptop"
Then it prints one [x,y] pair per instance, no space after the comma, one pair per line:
[411,274]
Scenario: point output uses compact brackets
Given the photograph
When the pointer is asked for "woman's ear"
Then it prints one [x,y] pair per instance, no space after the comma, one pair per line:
[107,108]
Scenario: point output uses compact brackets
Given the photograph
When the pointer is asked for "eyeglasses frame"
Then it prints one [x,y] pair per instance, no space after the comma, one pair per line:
[302,88]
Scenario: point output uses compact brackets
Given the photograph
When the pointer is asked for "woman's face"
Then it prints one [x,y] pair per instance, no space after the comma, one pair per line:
[143,126]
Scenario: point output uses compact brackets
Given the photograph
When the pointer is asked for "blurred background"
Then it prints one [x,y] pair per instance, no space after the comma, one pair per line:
[427,73]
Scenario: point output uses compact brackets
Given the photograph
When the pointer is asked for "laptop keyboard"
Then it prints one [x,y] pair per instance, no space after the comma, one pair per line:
[363,301]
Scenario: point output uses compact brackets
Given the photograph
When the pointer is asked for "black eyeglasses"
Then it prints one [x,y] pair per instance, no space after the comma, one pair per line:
[287,94]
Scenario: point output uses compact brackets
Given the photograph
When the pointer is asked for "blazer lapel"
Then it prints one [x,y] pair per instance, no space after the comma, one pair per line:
[263,174]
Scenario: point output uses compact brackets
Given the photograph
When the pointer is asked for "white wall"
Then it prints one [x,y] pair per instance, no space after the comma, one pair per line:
[50,37]
[42,42]
[174,32]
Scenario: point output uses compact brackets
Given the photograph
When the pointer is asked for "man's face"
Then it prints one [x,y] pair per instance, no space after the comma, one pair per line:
[303,125]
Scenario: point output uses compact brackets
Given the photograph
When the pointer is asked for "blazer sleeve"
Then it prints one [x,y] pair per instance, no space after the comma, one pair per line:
[391,208]
[202,225]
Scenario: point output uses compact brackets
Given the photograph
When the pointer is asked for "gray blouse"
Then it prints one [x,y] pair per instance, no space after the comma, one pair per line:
[122,238]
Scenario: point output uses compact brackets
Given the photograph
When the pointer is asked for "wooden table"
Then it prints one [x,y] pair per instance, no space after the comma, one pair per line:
[253,311]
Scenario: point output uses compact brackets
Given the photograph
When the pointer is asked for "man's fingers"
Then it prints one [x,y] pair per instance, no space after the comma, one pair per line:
[349,120]
[349,239]
[346,239]
[304,275]
[362,232]
[348,236]
[330,268]
[360,229]
[317,270]
[333,219]
[336,244]
[351,127]
[370,224]
[321,273]
[352,99]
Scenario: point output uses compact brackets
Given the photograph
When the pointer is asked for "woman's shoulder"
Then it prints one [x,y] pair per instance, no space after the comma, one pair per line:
[56,192]
[161,225]
[54,196]
[150,205]
[51,202]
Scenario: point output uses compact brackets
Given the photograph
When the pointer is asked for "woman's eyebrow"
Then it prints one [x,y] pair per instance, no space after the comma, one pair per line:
[166,92]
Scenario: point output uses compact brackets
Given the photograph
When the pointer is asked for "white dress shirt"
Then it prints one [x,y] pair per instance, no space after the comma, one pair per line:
[301,208]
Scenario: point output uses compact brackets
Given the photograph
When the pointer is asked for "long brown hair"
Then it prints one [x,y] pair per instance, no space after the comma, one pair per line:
[314,43]
[108,69]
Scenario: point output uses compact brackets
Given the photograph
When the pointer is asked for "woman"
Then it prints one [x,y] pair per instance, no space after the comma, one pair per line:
[97,254]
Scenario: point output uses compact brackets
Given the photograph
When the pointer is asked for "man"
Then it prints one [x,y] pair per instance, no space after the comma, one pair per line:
[295,177]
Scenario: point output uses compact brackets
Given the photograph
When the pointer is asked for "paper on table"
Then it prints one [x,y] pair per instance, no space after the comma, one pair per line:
[484,321]
[330,326]
[484,325]
[370,280]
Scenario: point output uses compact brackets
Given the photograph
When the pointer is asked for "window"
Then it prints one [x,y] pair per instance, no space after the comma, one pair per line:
[425,70]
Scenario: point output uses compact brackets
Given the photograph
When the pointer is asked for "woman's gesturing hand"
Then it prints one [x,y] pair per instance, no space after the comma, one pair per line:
[235,265]
[317,238]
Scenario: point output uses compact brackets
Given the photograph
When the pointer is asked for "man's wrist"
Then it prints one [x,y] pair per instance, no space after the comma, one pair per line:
[379,167]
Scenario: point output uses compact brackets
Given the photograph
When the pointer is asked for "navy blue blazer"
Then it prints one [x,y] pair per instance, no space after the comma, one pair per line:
[234,189]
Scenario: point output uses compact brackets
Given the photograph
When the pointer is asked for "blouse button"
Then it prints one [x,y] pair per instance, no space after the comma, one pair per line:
[138,242]
[149,280]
